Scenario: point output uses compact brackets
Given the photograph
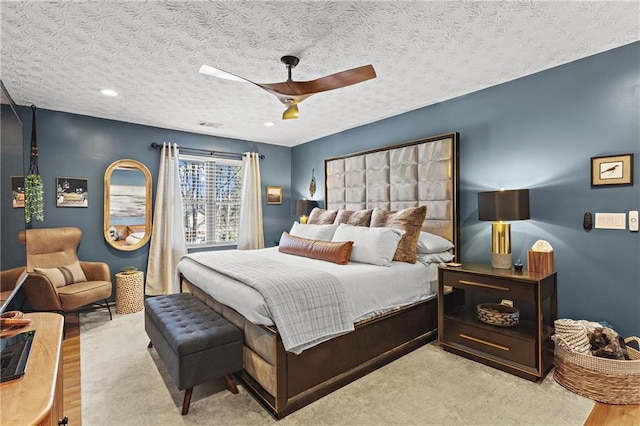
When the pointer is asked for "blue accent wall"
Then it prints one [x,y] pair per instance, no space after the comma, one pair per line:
[537,132]
[72,145]
[12,253]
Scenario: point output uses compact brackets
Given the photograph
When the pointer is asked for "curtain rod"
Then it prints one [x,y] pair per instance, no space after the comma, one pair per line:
[200,151]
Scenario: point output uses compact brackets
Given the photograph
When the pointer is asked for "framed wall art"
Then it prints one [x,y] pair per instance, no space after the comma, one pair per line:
[612,170]
[17,191]
[274,195]
[72,192]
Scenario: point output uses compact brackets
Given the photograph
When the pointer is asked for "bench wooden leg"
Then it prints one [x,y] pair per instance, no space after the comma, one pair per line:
[187,401]
[231,385]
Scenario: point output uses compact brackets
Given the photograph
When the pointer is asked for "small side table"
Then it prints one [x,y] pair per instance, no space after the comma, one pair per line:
[129,292]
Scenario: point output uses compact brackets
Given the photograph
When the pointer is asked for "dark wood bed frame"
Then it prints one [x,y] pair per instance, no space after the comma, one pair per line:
[320,370]
[324,368]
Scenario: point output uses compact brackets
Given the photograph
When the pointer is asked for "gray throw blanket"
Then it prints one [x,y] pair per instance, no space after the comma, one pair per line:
[306,305]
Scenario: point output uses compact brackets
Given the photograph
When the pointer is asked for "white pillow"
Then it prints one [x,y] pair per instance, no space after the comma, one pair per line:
[312,231]
[430,243]
[370,245]
[441,257]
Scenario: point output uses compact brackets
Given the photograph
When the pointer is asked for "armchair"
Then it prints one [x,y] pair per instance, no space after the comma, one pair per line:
[58,281]
[8,279]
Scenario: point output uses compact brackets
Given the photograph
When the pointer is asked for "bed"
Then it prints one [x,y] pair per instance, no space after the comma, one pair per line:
[392,178]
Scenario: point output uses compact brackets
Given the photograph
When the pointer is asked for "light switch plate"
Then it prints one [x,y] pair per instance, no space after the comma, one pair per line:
[611,221]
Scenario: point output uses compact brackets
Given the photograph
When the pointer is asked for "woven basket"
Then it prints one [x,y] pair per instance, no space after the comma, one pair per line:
[497,314]
[604,380]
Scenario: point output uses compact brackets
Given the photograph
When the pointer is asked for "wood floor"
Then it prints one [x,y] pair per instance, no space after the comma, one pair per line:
[71,369]
[602,414]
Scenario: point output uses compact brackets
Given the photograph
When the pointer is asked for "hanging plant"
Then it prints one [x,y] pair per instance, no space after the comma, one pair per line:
[33,204]
[33,188]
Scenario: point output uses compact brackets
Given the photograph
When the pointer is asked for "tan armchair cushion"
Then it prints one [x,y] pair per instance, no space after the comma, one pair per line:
[63,275]
[80,294]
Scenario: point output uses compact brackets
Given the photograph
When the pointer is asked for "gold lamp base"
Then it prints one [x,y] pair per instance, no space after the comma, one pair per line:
[501,245]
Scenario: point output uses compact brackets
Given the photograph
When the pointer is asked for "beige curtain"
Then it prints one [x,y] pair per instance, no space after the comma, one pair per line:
[251,233]
[168,244]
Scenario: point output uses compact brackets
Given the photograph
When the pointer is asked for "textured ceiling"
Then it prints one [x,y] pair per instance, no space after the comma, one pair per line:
[58,55]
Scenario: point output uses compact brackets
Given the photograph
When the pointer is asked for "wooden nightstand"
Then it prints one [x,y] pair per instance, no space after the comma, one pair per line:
[526,349]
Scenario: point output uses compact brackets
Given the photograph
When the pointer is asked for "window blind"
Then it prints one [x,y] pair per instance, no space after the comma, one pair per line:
[211,191]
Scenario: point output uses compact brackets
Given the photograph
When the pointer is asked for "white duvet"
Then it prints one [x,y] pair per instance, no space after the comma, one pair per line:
[369,289]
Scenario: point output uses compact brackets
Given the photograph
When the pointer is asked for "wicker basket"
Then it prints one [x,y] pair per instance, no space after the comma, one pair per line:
[604,380]
[498,314]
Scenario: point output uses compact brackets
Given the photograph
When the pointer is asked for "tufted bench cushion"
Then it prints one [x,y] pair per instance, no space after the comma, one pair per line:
[195,343]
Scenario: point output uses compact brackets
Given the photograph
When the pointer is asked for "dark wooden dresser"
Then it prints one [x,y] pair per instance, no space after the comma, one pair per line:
[525,349]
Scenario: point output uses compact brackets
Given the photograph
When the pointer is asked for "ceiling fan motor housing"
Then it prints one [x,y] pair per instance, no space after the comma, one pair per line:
[290,61]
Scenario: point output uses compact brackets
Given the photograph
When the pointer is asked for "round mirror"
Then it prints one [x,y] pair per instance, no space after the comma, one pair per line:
[127,205]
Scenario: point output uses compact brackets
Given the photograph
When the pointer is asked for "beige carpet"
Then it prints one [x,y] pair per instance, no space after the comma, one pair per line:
[124,383]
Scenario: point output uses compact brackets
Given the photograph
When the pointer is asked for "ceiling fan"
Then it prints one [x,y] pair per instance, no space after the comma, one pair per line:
[290,92]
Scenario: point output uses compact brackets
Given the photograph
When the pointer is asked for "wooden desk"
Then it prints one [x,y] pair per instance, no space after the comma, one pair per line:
[36,397]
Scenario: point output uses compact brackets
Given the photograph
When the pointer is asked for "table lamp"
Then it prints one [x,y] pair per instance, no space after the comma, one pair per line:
[498,207]
[303,208]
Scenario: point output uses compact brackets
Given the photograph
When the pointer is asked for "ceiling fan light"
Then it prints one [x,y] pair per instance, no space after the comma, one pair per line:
[291,112]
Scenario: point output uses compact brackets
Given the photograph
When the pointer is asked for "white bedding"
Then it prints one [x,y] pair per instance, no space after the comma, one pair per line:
[369,289]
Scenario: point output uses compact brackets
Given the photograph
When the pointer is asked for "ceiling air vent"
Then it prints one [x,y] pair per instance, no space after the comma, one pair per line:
[209,124]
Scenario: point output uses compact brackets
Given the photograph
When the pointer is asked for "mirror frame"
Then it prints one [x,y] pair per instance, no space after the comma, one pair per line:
[130,165]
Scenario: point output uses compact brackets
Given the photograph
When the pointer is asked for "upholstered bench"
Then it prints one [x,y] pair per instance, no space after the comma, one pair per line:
[194,342]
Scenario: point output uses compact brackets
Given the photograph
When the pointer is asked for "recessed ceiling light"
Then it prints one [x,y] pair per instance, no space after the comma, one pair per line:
[269,124]
[109,92]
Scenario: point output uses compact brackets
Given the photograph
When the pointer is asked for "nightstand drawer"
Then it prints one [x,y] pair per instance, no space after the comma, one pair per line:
[502,287]
[507,347]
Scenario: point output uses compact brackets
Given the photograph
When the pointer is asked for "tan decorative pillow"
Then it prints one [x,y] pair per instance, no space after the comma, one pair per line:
[323,250]
[409,220]
[63,275]
[320,216]
[355,218]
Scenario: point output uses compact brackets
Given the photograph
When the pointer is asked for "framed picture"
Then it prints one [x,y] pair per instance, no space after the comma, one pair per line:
[17,191]
[274,195]
[612,170]
[72,192]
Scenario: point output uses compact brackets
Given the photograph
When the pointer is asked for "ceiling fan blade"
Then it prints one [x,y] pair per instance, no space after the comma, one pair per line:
[340,79]
[304,89]
[291,112]
[215,72]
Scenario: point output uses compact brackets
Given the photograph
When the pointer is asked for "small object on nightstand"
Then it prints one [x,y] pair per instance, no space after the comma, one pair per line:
[518,266]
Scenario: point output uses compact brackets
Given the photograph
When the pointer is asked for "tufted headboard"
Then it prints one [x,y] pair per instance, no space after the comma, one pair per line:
[410,174]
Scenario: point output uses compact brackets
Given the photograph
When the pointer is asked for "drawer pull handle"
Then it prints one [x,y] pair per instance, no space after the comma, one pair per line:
[484,342]
[494,287]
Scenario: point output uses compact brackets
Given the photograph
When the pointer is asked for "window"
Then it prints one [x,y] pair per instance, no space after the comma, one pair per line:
[211,190]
